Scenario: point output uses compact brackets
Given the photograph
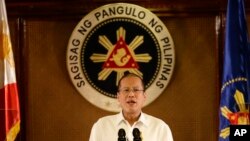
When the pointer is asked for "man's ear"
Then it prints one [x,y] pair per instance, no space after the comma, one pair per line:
[117,96]
[145,95]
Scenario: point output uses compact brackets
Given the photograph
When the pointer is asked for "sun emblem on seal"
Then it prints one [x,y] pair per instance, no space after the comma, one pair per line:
[121,56]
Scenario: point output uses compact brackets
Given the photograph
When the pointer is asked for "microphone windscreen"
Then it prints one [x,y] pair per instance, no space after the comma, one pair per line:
[136,132]
[121,133]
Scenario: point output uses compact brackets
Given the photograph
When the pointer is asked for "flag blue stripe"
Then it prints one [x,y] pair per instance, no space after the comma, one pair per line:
[236,61]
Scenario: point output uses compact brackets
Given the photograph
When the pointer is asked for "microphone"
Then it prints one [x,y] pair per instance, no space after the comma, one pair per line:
[121,135]
[137,134]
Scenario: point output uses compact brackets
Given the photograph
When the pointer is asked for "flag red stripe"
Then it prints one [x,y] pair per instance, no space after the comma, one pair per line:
[9,108]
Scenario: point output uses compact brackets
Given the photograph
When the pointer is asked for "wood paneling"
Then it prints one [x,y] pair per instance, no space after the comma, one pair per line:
[52,109]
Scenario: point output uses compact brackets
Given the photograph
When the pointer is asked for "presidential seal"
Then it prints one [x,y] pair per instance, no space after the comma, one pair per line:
[112,40]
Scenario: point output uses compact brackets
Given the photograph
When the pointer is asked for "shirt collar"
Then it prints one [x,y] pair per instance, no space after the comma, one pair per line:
[142,119]
[119,118]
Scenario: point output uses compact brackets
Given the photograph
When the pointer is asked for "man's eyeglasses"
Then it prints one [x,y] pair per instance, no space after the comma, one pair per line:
[127,91]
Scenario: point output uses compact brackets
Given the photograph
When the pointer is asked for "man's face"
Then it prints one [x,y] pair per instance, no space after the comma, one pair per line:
[131,95]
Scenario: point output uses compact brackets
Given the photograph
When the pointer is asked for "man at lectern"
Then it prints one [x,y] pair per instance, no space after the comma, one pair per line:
[131,124]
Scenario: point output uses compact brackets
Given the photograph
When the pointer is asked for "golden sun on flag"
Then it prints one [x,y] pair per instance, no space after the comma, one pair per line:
[5,44]
[238,118]
[120,57]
